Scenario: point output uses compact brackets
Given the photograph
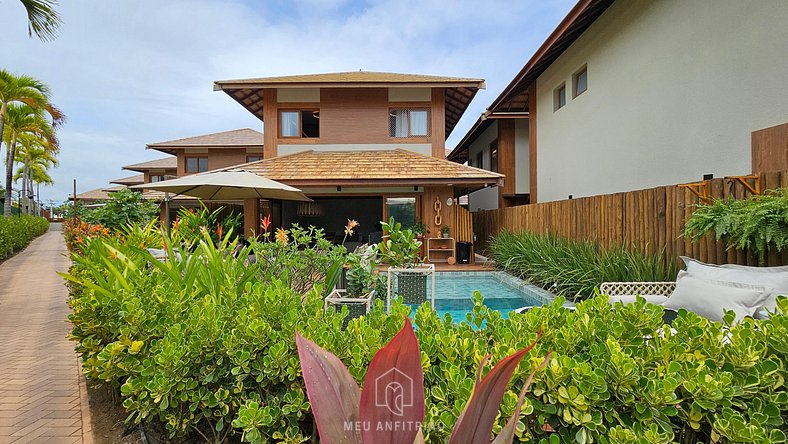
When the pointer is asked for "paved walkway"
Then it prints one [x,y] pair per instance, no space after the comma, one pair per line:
[40,390]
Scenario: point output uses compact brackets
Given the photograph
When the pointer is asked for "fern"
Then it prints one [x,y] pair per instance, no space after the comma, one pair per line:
[758,223]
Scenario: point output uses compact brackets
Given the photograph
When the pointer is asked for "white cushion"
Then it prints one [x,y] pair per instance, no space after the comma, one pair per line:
[626,299]
[710,298]
[770,277]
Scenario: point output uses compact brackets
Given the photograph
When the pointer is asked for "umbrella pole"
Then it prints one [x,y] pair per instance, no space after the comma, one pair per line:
[167,211]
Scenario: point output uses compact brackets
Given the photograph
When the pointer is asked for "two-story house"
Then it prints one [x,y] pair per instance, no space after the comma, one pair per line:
[362,145]
[212,151]
[626,95]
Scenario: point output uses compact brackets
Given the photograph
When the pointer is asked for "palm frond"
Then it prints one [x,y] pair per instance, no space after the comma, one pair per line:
[43,19]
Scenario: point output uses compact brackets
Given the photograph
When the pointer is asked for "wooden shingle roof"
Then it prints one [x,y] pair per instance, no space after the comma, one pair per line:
[166,163]
[244,137]
[131,180]
[373,167]
[458,91]
[98,194]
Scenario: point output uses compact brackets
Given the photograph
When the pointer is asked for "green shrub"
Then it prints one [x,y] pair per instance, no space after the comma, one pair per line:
[574,268]
[759,223]
[124,207]
[16,232]
[206,344]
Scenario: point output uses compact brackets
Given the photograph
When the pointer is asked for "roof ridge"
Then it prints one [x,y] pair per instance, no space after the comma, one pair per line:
[182,139]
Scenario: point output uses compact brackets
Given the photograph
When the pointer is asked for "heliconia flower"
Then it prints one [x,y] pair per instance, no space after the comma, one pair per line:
[351,224]
[266,223]
[281,236]
[177,222]
[219,230]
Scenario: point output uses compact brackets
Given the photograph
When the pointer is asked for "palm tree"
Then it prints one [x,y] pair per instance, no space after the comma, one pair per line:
[35,94]
[42,18]
[22,119]
[37,155]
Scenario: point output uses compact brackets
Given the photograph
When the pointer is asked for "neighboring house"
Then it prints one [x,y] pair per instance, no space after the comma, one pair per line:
[96,196]
[362,145]
[129,181]
[156,170]
[626,95]
[213,151]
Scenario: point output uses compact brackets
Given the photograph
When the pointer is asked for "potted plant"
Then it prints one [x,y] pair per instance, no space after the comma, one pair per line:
[402,251]
[445,231]
[360,284]
[421,230]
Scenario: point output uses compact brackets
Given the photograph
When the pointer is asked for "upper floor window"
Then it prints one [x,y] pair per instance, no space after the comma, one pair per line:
[299,123]
[479,159]
[559,97]
[157,178]
[580,82]
[196,164]
[253,158]
[409,122]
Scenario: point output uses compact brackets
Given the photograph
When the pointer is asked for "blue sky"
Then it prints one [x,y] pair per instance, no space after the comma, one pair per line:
[130,73]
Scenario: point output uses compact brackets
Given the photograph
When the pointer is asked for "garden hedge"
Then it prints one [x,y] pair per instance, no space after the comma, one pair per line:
[17,232]
[206,346]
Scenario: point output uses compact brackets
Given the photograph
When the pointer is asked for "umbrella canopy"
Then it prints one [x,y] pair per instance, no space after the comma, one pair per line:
[227,185]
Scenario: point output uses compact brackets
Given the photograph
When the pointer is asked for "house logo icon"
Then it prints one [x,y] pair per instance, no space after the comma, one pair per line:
[394,390]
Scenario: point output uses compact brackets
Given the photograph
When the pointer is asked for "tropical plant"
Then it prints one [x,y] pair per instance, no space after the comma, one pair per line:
[124,208]
[391,407]
[43,20]
[758,223]
[37,155]
[26,90]
[17,232]
[575,268]
[191,222]
[401,248]
[203,343]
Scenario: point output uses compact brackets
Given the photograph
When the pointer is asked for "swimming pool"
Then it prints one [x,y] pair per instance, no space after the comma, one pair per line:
[501,291]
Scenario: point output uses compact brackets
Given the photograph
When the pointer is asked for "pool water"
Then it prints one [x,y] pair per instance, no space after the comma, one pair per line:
[502,292]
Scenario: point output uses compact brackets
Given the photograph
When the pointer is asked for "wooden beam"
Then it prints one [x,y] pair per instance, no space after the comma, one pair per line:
[506,159]
[270,124]
[438,123]
[251,218]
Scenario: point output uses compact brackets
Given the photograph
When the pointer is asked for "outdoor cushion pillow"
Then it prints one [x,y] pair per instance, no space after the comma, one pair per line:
[771,277]
[626,299]
[710,299]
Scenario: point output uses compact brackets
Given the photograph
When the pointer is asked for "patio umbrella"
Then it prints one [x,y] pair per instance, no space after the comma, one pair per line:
[227,185]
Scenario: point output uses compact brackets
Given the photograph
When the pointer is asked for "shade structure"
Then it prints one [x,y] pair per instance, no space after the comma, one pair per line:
[227,185]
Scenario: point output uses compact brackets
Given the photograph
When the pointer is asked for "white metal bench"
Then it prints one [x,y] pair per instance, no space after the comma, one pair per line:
[637,288]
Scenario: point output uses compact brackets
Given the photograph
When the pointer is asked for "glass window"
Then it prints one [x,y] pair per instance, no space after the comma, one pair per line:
[479,159]
[253,158]
[156,178]
[310,123]
[402,209]
[409,123]
[289,123]
[418,123]
[494,156]
[559,97]
[301,123]
[196,164]
[580,82]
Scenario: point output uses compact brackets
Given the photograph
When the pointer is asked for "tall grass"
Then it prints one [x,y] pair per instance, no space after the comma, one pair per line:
[574,268]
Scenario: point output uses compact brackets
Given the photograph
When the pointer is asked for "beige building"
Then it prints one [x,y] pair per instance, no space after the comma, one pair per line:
[627,95]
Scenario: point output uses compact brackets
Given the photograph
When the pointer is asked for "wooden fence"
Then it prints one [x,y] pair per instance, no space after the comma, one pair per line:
[650,220]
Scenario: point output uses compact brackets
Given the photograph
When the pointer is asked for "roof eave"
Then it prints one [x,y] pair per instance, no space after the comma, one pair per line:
[224,85]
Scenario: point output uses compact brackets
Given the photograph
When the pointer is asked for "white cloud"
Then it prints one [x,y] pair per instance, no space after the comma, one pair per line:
[130,73]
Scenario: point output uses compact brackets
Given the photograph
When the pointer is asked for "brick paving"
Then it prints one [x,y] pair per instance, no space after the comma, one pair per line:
[40,396]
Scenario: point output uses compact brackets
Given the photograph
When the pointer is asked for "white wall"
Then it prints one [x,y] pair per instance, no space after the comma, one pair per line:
[486,198]
[522,183]
[675,88]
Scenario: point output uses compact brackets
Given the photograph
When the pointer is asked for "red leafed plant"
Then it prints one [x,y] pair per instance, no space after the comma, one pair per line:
[390,408]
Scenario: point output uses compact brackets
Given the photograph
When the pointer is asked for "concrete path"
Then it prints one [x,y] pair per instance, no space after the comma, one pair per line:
[42,399]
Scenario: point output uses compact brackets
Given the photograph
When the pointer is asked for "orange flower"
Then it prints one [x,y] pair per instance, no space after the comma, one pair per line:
[281,236]
[266,223]
[351,224]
